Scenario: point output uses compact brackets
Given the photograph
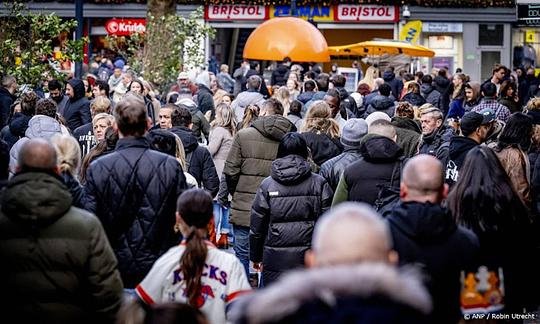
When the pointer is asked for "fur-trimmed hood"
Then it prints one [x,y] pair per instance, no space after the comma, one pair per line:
[364,280]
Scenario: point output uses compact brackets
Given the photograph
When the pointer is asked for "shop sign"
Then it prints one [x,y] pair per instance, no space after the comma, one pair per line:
[235,12]
[125,27]
[528,14]
[312,13]
[433,27]
[530,36]
[411,32]
[366,13]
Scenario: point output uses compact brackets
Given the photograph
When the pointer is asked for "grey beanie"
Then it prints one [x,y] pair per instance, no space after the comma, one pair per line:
[353,131]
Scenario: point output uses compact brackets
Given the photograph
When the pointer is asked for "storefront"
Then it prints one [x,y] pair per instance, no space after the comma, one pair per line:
[340,24]
[526,35]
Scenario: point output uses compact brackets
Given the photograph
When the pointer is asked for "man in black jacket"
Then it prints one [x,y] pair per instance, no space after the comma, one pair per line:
[425,233]
[339,81]
[133,191]
[198,160]
[280,74]
[77,110]
[7,97]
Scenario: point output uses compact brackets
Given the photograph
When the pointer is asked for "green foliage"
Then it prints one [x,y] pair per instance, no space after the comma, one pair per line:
[129,47]
[27,43]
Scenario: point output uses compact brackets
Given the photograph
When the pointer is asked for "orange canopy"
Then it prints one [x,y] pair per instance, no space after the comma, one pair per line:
[291,37]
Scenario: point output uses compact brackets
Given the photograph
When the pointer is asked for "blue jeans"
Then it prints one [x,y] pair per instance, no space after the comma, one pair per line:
[241,245]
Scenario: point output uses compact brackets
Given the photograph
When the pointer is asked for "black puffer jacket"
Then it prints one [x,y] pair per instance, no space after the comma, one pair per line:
[394,83]
[286,207]
[430,144]
[431,95]
[332,169]
[75,188]
[426,234]
[15,130]
[414,99]
[279,76]
[6,100]
[77,110]
[322,146]
[348,102]
[383,104]
[380,157]
[444,86]
[199,161]
[205,99]
[133,191]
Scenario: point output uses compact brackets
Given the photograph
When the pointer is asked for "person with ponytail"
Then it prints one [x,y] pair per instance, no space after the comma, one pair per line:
[195,272]
[68,153]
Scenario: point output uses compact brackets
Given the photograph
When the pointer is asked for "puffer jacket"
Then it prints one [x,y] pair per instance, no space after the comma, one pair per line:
[57,265]
[199,161]
[15,130]
[205,99]
[284,213]
[383,104]
[279,76]
[77,110]
[244,99]
[39,126]
[430,144]
[322,146]
[332,169]
[414,99]
[444,86]
[431,95]
[133,191]
[394,83]
[250,160]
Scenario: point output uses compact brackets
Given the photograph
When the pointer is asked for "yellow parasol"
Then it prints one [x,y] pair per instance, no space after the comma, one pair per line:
[377,48]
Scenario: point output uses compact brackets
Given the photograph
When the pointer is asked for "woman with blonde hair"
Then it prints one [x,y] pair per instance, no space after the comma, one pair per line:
[68,154]
[321,133]
[372,73]
[294,88]
[284,96]
[250,115]
[100,123]
[221,135]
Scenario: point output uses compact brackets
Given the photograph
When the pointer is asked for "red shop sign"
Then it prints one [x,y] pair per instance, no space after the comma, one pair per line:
[366,13]
[125,27]
[235,12]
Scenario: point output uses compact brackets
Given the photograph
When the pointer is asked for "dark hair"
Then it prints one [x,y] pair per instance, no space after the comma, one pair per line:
[273,106]
[516,133]
[174,312]
[507,84]
[310,74]
[196,209]
[139,82]
[55,85]
[419,75]
[4,160]
[163,141]
[292,143]
[46,107]
[296,107]
[408,77]
[181,116]
[483,198]
[385,89]
[489,89]
[339,80]
[334,94]
[108,145]
[309,85]
[131,116]
[253,64]
[427,79]
[103,85]
[28,103]
[322,81]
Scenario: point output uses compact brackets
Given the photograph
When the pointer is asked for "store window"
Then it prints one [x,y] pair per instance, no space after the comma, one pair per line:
[491,35]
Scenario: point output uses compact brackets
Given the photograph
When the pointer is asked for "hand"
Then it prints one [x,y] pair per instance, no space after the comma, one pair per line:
[258,266]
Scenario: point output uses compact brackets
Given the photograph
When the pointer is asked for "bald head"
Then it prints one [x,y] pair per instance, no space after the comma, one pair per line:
[350,233]
[423,180]
[37,154]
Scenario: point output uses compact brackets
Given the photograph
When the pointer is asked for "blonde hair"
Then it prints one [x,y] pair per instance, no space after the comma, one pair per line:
[250,114]
[68,153]
[284,96]
[98,117]
[319,120]
[100,105]
[225,118]
[180,154]
[372,73]
[533,104]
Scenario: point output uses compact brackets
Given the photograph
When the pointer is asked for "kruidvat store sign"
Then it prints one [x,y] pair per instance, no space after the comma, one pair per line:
[339,13]
[528,14]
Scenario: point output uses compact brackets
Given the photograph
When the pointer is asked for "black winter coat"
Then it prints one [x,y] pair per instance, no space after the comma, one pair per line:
[205,99]
[15,130]
[133,191]
[414,99]
[381,103]
[427,235]
[332,169]
[348,102]
[322,146]
[459,147]
[199,161]
[75,188]
[430,144]
[283,216]
[6,100]
[279,76]
[394,83]
[77,110]
[380,157]
[444,86]
[431,95]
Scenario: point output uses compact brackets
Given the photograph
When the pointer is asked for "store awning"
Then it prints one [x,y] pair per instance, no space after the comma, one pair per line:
[376,48]
[291,37]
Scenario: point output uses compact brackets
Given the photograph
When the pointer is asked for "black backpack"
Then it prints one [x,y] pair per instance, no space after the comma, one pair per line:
[388,195]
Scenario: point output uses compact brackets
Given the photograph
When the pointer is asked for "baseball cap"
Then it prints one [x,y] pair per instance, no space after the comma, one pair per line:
[471,121]
[488,114]
[183,76]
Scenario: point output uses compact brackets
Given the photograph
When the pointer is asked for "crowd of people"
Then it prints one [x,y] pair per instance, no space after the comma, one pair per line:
[413,199]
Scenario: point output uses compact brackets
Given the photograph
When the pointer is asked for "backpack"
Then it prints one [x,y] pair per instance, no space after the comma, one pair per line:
[388,195]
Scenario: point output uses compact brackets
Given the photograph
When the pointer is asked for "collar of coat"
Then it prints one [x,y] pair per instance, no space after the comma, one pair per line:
[128,142]
[363,280]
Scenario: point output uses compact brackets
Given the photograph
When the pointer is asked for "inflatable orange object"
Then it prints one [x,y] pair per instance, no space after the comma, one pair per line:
[291,37]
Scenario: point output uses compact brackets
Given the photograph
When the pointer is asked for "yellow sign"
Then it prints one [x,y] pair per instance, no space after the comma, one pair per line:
[411,32]
[530,36]
[313,13]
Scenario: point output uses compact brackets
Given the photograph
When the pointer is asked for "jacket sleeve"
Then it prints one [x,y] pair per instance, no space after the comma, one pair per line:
[205,127]
[86,117]
[326,197]
[89,192]
[210,179]
[233,165]
[5,104]
[342,192]
[104,283]
[206,102]
[260,220]
[214,141]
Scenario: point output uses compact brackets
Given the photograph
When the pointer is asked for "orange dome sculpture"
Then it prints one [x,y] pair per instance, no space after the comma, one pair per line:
[291,37]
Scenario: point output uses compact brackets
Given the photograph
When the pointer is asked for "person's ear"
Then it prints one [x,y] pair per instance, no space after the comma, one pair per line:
[444,191]
[309,259]
[439,123]
[57,170]
[190,126]
[393,257]
[149,123]
[402,190]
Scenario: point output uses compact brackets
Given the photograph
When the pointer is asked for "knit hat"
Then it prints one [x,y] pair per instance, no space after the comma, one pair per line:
[204,79]
[353,131]
[377,115]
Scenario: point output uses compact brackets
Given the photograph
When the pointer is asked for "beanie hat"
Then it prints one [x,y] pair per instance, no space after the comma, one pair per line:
[353,131]
[377,115]
[204,79]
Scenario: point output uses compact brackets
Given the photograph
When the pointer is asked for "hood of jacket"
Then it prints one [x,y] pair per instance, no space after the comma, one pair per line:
[426,89]
[365,280]
[189,140]
[406,123]
[380,149]
[290,169]
[35,199]
[273,127]
[388,76]
[381,102]
[19,124]
[460,144]
[78,89]
[343,93]
[414,98]
[441,83]
[475,86]
[41,126]
[423,222]
[247,98]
